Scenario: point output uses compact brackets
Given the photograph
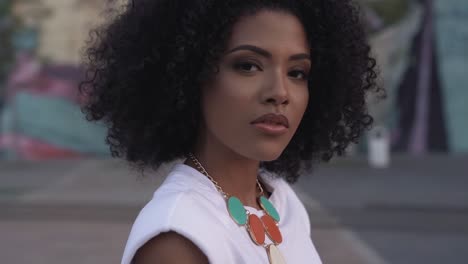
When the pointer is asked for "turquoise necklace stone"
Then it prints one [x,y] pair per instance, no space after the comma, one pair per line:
[269,208]
[236,210]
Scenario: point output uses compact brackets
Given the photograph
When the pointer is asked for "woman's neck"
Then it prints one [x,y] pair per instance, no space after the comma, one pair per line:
[236,175]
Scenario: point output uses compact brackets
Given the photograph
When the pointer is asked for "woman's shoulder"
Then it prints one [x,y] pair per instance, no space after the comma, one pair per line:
[165,214]
[170,247]
[179,205]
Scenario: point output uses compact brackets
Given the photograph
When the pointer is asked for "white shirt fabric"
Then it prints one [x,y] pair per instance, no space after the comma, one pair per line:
[188,203]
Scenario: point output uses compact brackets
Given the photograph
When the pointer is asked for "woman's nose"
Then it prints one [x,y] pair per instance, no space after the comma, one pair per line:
[276,91]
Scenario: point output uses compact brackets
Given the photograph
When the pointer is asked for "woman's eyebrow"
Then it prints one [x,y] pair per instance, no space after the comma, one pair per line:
[265,53]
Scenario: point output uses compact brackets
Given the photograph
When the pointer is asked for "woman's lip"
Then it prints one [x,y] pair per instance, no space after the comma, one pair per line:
[272,118]
[272,129]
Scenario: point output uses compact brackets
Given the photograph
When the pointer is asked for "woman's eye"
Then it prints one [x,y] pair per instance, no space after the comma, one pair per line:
[246,67]
[299,75]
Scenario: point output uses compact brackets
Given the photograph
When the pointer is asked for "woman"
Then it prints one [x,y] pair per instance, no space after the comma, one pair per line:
[247,93]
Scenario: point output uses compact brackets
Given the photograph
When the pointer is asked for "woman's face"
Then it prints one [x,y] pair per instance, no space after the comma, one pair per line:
[264,70]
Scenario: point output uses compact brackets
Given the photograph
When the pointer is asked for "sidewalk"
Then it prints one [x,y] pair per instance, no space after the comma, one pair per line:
[416,211]
[63,210]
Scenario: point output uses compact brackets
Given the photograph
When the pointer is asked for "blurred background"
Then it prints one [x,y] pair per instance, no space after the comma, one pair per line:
[400,195]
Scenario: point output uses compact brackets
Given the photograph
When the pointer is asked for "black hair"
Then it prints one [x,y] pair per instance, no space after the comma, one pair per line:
[145,67]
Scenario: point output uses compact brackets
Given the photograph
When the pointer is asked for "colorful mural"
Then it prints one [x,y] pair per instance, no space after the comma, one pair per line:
[419,45]
[451,25]
[421,125]
[41,118]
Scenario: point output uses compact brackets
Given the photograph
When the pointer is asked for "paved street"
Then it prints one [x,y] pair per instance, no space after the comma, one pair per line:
[81,211]
[414,212]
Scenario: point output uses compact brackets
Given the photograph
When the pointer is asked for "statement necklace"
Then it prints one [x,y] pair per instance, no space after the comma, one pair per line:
[256,227]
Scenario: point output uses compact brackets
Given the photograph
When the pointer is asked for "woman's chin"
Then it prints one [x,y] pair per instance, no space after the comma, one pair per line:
[268,155]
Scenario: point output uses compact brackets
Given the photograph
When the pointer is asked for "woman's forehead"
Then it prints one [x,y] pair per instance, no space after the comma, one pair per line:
[269,29]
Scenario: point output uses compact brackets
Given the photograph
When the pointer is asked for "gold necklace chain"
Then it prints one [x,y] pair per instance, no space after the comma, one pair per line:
[274,255]
[220,190]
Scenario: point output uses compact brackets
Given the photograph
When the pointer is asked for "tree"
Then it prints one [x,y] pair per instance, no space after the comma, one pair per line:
[7,25]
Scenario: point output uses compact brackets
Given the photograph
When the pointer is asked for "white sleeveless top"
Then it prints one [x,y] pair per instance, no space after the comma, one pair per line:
[188,203]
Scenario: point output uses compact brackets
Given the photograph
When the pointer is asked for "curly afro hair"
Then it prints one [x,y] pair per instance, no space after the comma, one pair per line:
[145,68]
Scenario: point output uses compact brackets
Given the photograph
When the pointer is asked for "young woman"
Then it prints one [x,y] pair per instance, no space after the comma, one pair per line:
[247,93]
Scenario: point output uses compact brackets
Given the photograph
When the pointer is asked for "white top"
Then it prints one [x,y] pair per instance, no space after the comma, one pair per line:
[188,203]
